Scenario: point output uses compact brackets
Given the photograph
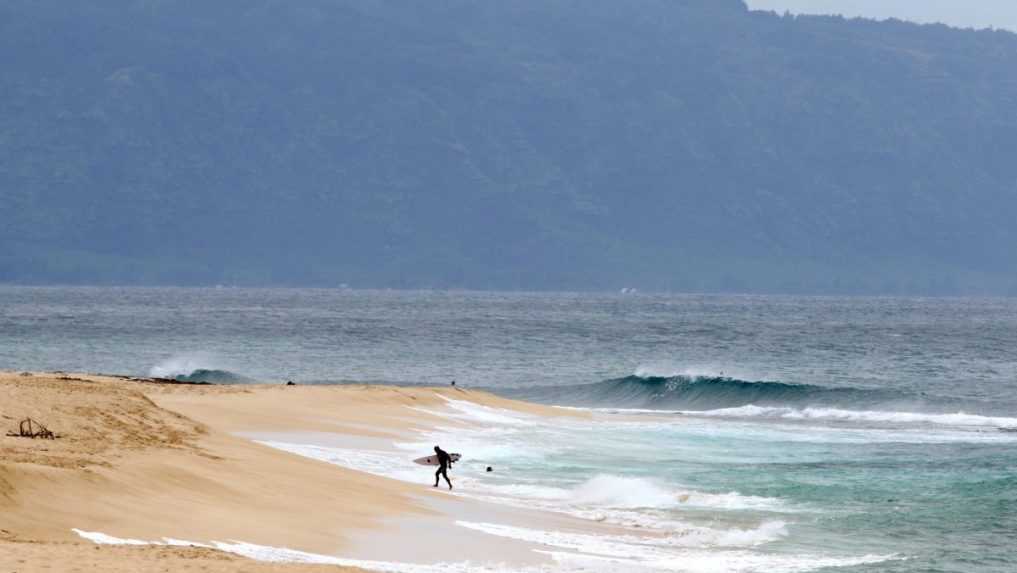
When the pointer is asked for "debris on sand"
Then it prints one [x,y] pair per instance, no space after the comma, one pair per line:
[29,428]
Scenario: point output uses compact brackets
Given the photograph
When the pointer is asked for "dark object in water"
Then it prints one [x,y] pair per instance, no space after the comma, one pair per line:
[490,469]
[453,382]
[290,383]
[29,428]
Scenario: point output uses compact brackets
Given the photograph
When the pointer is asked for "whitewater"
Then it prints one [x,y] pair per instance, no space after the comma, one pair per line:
[657,523]
[728,433]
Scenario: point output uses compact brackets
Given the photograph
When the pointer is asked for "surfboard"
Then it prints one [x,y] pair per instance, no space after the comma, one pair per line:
[433,460]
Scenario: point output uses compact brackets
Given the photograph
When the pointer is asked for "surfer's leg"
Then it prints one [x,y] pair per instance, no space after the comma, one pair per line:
[448,481]
[437,473]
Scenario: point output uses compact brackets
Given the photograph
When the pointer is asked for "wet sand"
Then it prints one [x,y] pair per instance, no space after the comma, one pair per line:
[148,461]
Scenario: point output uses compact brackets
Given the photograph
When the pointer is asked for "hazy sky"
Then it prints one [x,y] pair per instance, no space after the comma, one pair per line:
[964,13]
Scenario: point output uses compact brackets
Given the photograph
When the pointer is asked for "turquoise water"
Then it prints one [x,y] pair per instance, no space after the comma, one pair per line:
[922,497]
[756,433]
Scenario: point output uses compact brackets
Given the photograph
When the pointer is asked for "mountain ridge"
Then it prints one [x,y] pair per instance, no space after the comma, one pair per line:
[687,146]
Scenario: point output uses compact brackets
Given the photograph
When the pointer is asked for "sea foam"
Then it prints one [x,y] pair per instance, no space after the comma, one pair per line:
[959,419]
[571,552]
[183,365]
[625,492]
[630,553]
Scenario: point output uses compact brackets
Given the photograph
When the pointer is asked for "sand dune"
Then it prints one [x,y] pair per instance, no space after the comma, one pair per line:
[149,461]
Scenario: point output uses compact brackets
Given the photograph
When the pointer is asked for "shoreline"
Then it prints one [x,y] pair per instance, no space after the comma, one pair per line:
[156,477]
[152,460]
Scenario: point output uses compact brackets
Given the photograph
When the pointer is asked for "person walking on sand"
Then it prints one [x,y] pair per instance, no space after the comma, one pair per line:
[444,462]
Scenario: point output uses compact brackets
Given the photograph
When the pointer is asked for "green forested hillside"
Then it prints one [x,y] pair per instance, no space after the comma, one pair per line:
[553,144]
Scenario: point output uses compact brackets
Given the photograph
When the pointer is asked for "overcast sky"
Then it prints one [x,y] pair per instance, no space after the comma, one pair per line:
[964,13]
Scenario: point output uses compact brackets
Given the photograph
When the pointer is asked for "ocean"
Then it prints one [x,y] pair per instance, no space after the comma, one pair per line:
[742,433]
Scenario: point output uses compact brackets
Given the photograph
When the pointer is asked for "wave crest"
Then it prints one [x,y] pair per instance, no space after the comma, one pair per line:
[195,367]
[212,376]
[724,396]
[839,415]
[707,392]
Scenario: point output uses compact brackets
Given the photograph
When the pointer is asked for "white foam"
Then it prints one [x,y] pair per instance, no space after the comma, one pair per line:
[528,491]
[600,502]
[765,533]
[478,413]
[488,444]
[634,558]
[627,492]
[629,553]
[184,364]
[670,370]
[960,419]
[181,543]
[679,535]
[731,501]
[634,493]
[605,545]
[724,562]
[284,555]
[614,499]
[103,539]
[381,463]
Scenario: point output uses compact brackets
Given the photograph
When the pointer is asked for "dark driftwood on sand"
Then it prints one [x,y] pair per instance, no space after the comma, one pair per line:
[29,428]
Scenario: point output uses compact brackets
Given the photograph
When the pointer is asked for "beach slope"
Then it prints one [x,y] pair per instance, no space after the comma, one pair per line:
[151,460]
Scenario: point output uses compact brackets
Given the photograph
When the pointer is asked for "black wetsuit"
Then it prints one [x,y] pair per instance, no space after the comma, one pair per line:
[444,461]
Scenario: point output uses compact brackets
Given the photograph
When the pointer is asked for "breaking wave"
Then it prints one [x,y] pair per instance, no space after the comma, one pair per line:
[212,376]
[686,392]
[196,367]
[723,396]
[839,415]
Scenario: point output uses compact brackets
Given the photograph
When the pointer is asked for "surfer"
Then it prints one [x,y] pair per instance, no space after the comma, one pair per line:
[444,462]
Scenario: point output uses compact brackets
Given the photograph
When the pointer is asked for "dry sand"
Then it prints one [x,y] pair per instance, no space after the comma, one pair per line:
[146,460]
[80,558]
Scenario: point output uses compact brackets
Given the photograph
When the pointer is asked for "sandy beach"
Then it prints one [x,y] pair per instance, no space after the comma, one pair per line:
[141,460]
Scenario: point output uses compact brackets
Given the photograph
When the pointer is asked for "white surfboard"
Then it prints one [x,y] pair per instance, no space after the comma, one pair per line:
[432,460]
